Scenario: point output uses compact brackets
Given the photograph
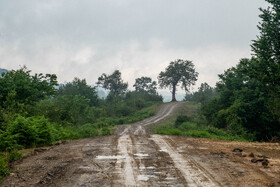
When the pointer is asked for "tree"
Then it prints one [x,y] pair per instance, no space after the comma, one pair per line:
[79,87]
[145,85]
[178,71]
[113,82]
[204,94]
[242,105]
[266,48]
[27,89]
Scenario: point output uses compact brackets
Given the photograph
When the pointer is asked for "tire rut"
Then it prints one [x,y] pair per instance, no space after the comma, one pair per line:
[191,171]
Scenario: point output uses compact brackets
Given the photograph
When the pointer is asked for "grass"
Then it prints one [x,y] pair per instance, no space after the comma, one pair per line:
[201,133]
[5,160]
[188,122]
[101,127]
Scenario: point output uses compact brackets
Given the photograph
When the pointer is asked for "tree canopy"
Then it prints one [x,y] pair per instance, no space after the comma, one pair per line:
[145,85]
[178,71]
[79,87]
[204,94]
[266,48]
[113,82]
[25,87]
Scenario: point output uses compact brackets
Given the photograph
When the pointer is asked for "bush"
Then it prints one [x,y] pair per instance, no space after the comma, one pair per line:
[7,142]
[5,159]
[105,131]
[28,132]
[88,130]
[188,126]
[170,131]
[23,131]
[4,171]
[181,119]
[14,156]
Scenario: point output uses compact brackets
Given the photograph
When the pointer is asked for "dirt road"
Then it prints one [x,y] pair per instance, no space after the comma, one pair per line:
[132,157]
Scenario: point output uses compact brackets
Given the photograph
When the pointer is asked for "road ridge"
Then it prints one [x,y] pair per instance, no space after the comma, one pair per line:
[125,149]
[193,175]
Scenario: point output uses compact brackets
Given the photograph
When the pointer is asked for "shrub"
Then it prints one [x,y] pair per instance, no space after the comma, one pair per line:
[4,171]
[181,119]
[105,131]
[14,156]
[88,130]
[170,131]
[22,131]
[188,126]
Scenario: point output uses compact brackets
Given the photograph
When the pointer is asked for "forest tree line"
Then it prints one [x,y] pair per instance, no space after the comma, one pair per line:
[246,99]
[34,110]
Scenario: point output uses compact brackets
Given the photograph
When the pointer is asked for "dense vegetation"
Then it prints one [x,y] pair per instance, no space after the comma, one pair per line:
[35,111]
[246,100]
[244,105]
[190,122]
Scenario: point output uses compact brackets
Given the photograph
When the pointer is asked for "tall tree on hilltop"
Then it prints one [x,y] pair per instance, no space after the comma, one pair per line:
[178,71]
[113,82]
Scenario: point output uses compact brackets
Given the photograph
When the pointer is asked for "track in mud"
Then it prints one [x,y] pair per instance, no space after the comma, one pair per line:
[181,169]
[132,157]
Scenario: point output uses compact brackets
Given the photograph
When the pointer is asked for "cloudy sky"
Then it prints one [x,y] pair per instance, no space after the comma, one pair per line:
[86,38]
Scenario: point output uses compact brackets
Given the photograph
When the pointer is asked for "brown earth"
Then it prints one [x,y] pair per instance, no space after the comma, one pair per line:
[133,157]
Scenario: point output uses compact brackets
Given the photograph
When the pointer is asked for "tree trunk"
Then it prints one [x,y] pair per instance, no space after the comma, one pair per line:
[173,93]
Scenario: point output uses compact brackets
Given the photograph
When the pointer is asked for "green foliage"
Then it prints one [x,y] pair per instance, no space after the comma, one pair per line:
[26,88]
[204,94]
[193,131]
[193,125]
[14,156]
[27,132]
[23,131]
[145,85]
[79,87]
[67,110]
[4,171]
[181,119]
[105,131]
[32,115]
[5,159]
[243,105]
[113,82]
[178,71]
[171,131]
[188,126]
[266,48]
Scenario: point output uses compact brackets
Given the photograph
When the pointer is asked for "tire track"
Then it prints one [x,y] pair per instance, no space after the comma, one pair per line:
[190,170]
[126,163]
[138,128]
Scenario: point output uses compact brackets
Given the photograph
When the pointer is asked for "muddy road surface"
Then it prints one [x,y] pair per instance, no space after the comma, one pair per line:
[133,157]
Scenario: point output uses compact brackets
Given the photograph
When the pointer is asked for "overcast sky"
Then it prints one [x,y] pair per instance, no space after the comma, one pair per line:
[85,38]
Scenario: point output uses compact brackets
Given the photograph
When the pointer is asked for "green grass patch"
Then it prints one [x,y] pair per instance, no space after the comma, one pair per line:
[5,160]
[188,122]
[201,133]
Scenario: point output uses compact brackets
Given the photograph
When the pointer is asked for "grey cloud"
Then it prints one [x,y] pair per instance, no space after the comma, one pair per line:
[88,37]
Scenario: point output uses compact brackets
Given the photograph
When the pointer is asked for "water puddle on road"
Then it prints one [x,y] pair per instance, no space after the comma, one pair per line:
[110,157]
[141,155]
[163,149]
[202,148]
[145,177]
